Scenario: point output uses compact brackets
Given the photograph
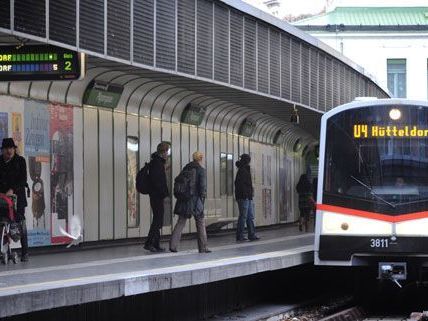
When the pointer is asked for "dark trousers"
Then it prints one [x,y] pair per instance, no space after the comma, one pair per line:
[153,238]
[24,239]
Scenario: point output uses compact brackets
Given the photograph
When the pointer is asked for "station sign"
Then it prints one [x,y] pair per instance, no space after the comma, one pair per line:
[40,62]
[247,127]
[193,114]
[102,94]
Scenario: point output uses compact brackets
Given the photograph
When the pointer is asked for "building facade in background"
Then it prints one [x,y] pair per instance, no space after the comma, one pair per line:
[390,42]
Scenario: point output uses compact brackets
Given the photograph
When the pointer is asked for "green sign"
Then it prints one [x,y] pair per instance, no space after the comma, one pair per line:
[40,62]
[193,115]
[102,94]
[247,127]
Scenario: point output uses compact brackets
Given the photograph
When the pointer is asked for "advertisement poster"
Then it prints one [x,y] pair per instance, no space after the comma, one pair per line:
[17,131]
[61,169]
[36,129]
[267,203]
[132,158]
[3,126]
[36,149]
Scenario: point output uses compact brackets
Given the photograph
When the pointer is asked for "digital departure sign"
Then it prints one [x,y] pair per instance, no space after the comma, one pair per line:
[40,62]
[376,131]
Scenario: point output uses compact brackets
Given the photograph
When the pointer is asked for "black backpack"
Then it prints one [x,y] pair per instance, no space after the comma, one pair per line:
[142,181]
[183,184]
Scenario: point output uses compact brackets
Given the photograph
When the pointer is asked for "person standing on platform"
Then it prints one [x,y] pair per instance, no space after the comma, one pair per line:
[190,189]
[158,192]
[306,201]
[13,181]
[244,193]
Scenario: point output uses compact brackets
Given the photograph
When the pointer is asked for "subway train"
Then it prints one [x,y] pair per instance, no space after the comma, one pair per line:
[372,202]
[83,154]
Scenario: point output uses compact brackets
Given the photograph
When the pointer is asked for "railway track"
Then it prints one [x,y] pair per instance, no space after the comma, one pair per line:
[359,314]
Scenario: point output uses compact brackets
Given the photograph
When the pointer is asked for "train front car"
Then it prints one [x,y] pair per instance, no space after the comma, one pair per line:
[373,186]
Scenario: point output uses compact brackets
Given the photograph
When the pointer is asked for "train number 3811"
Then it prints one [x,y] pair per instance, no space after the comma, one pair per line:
[379,243]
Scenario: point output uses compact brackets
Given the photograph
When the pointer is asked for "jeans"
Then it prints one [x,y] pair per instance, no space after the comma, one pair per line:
[246,215]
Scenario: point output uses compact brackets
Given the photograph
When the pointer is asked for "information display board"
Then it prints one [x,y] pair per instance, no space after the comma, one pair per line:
[40,62]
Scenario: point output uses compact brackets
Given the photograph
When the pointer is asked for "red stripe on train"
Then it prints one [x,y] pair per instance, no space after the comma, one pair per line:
[372,215]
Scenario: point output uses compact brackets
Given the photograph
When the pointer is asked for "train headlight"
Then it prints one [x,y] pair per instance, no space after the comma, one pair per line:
[395,114]
[344,226]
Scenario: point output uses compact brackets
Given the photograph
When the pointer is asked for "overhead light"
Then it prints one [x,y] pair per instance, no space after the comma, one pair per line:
[395,114]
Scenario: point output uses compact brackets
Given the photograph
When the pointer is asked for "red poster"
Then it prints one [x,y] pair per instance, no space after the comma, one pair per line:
[61,148]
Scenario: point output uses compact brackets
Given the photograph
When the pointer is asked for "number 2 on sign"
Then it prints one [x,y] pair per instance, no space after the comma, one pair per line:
[379,243]
[67,66]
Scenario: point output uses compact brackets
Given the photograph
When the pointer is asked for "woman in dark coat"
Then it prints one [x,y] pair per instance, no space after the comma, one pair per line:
[306,201]
[185,209]
[13,180]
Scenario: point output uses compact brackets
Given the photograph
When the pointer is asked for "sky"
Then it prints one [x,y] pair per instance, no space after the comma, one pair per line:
[295,8]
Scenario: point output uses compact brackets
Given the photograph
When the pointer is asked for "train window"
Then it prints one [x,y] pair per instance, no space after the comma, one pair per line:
[226,174]
[132,168]
[374,162]
[396,70]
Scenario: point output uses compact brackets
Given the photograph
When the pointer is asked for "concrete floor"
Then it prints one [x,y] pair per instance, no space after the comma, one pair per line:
[62,279]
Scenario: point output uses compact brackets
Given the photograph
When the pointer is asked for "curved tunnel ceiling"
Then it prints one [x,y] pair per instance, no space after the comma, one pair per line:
[224,50]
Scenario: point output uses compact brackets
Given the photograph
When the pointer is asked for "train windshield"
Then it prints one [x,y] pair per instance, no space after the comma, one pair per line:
[376,159]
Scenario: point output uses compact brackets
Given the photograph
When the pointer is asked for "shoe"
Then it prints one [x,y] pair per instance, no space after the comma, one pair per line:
[241,239]
[24,258]
[150,248]
[205,251]
[254,238]
[160,249]
[173,250]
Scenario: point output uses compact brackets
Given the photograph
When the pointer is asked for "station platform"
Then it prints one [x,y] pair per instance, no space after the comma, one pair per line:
[70,278]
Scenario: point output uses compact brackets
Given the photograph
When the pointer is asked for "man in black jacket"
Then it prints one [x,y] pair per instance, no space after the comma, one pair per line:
[244,193]
[13,180]
[158,192]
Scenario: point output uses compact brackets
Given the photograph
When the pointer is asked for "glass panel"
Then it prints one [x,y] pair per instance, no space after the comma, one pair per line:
[396,69]
[223,173]
[132,162]
[269,170]
[229,174]
[376,160]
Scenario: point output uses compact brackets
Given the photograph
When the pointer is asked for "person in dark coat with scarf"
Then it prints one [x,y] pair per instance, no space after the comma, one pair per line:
[158,192]
[306,201]
[13,180]
[244,193]
[185,209]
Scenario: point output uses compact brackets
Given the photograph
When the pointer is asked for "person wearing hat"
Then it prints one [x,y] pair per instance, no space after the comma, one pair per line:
[13,180]
[244,193]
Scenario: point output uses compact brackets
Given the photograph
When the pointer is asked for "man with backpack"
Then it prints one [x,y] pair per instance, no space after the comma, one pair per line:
[190,189]
[157,189]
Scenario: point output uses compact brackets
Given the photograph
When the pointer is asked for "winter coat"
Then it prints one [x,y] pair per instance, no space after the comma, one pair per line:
[157,174]
[13,175]
[198,189]
[243,182]
[304,189]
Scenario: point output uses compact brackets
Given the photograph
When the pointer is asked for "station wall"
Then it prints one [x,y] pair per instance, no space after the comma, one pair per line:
[82,162]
